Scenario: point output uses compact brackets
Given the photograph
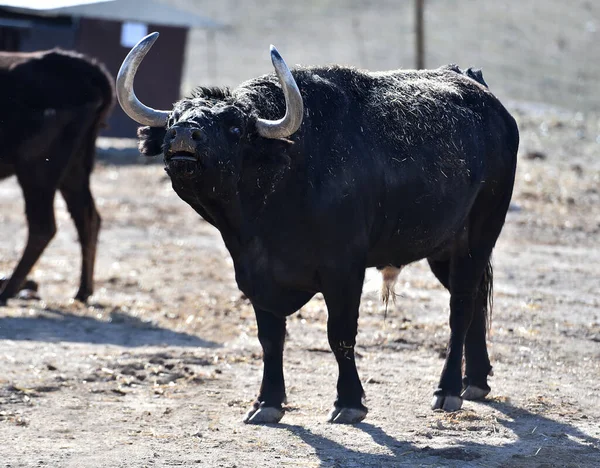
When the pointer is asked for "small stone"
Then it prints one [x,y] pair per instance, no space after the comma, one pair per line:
[533,155]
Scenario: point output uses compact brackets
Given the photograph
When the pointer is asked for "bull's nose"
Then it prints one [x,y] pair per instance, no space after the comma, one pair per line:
[184,139]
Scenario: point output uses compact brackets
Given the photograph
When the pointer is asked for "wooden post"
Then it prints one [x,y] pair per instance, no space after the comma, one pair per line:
[211,57]
[419,34]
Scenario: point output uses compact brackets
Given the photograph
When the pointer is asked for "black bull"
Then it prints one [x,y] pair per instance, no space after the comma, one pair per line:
[52,106]
[364,170]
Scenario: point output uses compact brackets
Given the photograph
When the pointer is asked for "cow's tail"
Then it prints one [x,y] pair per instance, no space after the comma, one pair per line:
[107,90]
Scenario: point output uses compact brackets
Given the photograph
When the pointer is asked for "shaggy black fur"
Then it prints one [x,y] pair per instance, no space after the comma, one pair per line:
[386,169]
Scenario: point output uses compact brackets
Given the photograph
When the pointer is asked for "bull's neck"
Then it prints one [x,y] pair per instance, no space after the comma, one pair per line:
[232,219]
[243,220]
[245,216]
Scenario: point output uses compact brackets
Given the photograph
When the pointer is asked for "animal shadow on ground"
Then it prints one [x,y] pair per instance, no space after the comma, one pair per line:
[540,442]
[55,325]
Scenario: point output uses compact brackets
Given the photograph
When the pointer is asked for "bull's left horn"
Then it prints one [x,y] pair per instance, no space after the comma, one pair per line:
[139,112]
[294,107]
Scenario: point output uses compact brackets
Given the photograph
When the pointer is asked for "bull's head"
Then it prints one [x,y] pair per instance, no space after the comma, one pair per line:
[204,135]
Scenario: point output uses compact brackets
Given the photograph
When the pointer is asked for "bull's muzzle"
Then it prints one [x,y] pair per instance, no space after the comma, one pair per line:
[181,155]
[183,140]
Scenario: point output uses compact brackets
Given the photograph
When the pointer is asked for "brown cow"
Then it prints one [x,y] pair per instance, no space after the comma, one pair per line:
[52,106]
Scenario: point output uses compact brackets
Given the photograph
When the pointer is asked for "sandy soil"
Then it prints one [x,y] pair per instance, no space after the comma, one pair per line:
[159,368]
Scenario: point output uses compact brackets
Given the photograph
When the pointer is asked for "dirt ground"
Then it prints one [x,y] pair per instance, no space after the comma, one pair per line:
[159,368]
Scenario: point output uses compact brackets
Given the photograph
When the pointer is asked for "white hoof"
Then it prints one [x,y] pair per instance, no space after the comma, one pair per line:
[264,415]
[28,294]
[447,403]
[474,393]
[346,415]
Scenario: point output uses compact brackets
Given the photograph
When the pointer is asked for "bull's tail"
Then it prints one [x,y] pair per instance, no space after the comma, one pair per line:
[477,75]
[486,291]
[474,73]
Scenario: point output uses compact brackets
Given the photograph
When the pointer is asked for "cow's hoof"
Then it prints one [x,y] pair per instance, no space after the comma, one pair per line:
[346,415]
[264,415]
[446,403]
[82,296]
[474,393]
[28,295]
[30,284]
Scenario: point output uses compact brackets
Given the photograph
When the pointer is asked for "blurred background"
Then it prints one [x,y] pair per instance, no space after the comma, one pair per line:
[534,50]
[531,51]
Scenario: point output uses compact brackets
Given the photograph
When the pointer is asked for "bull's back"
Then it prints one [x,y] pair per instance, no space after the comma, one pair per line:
[405,158]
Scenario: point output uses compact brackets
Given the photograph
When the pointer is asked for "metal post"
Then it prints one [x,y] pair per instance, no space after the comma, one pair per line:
[419,34]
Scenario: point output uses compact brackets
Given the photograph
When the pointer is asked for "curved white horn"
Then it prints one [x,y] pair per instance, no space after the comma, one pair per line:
[294,107]
[132,106]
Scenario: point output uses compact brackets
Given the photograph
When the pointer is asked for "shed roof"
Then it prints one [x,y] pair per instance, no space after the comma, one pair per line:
[146,11]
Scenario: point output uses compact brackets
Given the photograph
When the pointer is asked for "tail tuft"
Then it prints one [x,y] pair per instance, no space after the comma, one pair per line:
[487,290]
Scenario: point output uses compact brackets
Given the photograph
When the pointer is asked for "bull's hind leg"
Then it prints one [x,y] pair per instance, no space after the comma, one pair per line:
[484,232]
[76,191]
[342,296]
[477,361]
[469,280]
[267,408]
[464,274]
[476,355]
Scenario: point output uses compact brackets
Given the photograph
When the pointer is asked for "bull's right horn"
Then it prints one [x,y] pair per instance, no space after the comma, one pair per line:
[132,106]
[294,107]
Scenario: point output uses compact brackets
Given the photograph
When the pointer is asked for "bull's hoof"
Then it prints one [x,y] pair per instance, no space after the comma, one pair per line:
[2,302]
[263,415]
[446,403]
[474,393]
[347,415]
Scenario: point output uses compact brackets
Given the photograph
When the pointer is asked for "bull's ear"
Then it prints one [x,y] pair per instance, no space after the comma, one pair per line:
[151,140]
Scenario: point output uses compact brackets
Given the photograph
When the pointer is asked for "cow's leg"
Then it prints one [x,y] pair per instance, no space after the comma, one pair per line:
[77,195]
[39,209]
[342,297]
[268,405]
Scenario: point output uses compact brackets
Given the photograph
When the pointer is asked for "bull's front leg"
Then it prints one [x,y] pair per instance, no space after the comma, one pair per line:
[343,300]
[447,396]
[267,408]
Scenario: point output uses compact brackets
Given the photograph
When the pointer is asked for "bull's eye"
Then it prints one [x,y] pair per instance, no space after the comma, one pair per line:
[235,131]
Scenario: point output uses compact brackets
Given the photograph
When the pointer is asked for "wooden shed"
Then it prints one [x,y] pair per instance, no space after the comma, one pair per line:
[106,30]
